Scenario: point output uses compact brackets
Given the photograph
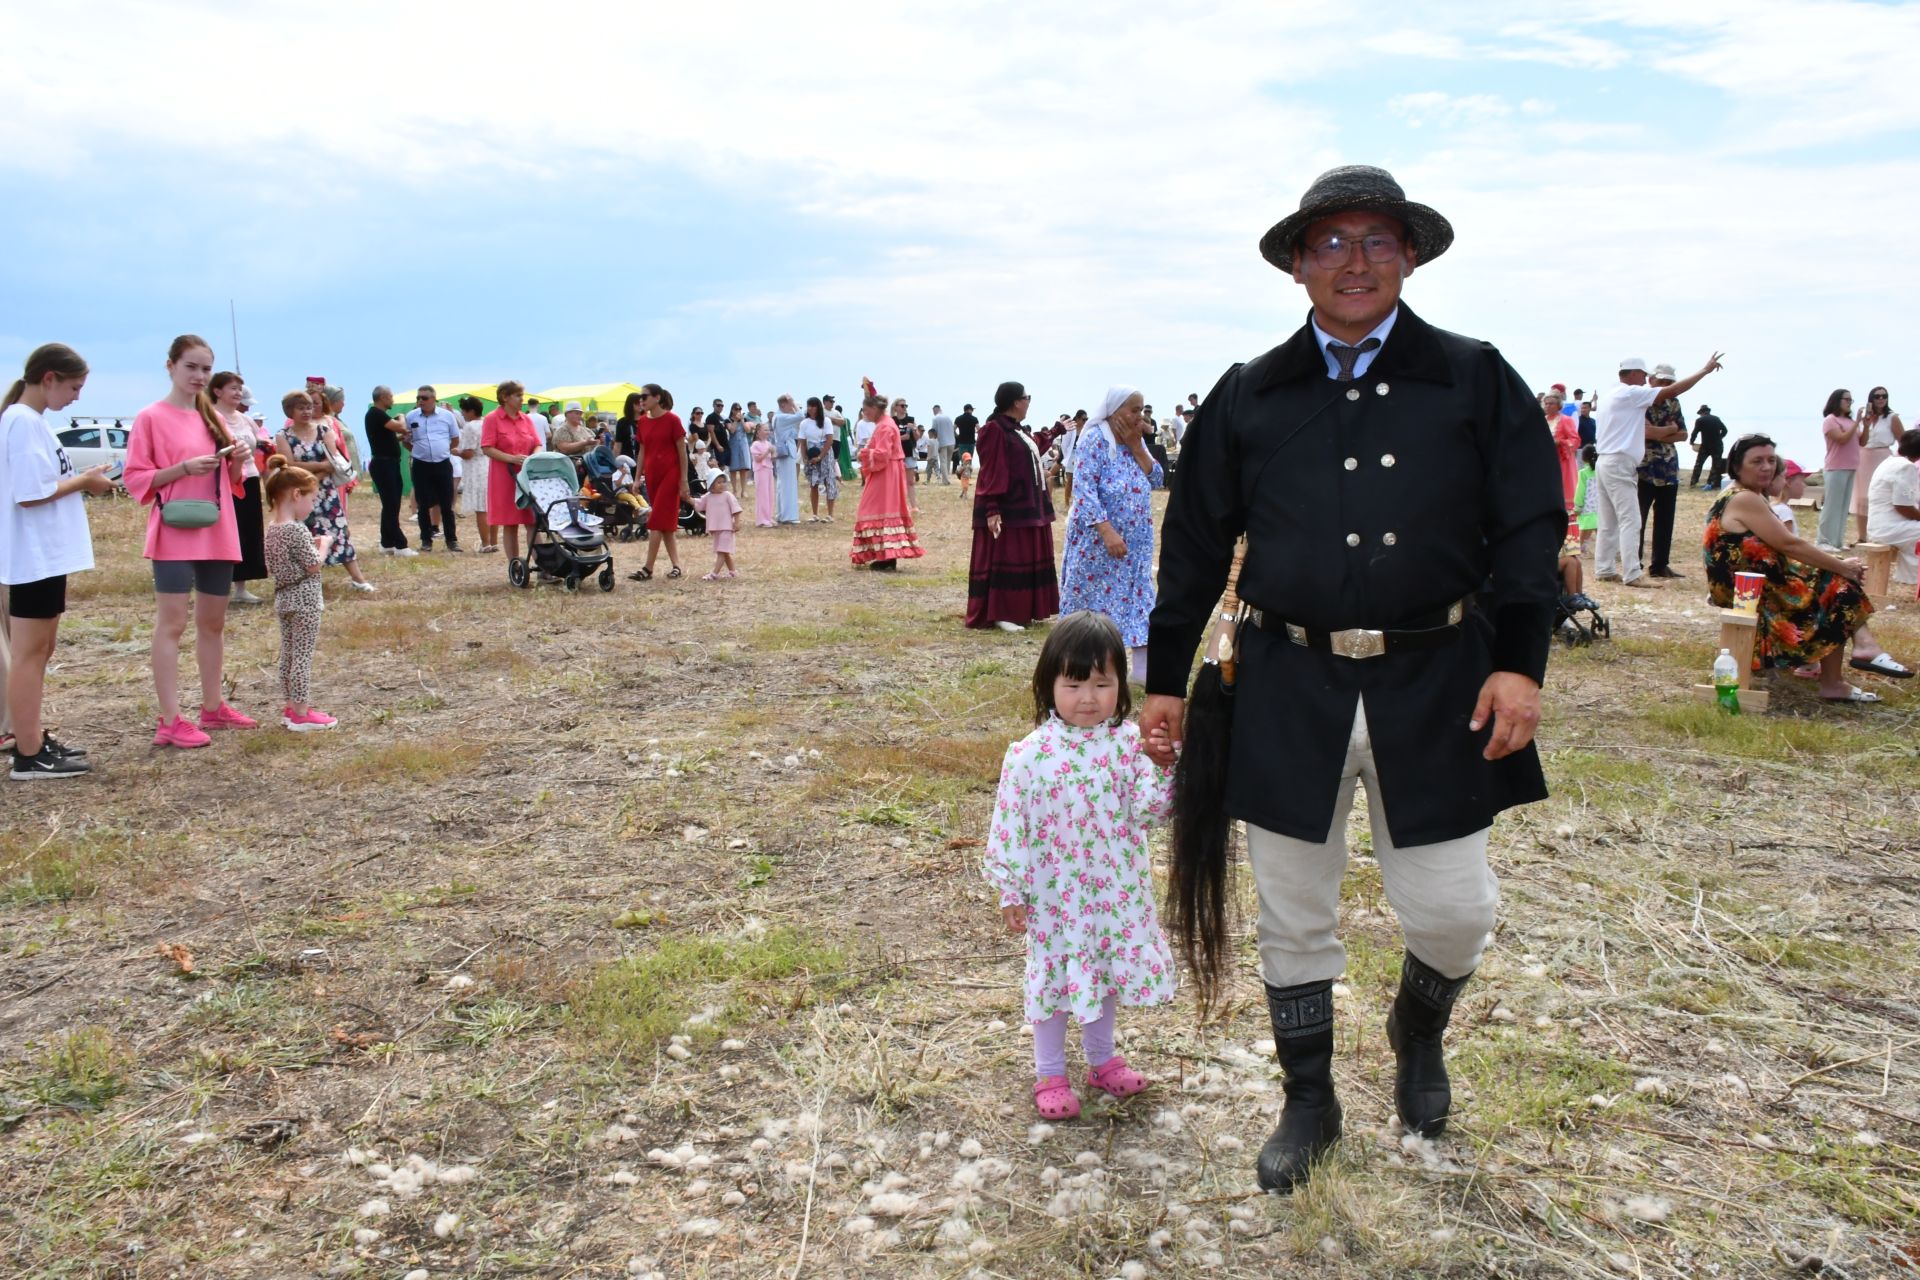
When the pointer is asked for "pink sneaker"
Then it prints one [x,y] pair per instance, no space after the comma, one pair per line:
[1116,1078]
[225,717]
[1055,1099]
[306,721]
[179,734]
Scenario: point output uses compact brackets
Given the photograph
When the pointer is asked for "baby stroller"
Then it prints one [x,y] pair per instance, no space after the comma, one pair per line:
[692,523]
[1577,620]
[566,543]
[622,513]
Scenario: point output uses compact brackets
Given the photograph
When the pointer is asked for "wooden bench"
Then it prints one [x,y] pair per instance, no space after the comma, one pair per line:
[1879,558]
[1736,637]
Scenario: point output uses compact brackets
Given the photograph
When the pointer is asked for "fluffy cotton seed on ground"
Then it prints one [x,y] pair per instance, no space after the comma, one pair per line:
[447,1226]
[956,1231]
[623,1178]
[859,1226]
[618,1133]
[418,1273]
[458,1174]
[1039,1133]
[1535,971]
[733,1046]
[1227,1142]
[1653,1085]
[1133,1271]
[1502,1014]
[366,1236]
[679,1052]
[1648,1208]
[700,1227]
[459,982]
[971,1149]
[893,1204]
[1866,1138]
[733,1199]
[1564,830]
[375,1209]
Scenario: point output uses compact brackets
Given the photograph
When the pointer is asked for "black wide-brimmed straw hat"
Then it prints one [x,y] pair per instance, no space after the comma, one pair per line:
[1357,186]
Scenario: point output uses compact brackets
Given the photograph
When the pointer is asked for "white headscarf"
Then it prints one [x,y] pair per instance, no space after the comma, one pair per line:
[1116,398]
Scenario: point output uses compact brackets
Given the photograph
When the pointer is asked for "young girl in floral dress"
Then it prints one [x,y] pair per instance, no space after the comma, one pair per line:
[1068,852]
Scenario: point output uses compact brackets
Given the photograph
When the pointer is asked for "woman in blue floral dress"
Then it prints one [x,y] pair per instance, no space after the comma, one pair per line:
[1109,560]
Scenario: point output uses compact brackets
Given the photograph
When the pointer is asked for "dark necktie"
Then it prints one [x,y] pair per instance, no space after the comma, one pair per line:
[1347,355]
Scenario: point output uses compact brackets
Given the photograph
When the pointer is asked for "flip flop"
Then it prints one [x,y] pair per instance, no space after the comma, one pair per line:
[1881,664]
[1854,695]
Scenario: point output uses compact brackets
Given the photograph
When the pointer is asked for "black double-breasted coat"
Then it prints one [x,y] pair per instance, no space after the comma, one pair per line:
[1375,503]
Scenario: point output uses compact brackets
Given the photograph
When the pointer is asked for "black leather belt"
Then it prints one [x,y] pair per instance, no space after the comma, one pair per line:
[1362,642]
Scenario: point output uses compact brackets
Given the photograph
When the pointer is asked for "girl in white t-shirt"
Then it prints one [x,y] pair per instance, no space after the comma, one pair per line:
[43,538]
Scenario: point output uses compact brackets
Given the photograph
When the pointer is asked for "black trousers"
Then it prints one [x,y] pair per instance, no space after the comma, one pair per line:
[1713,477]
[433,486]
[386,482]
[1661,497]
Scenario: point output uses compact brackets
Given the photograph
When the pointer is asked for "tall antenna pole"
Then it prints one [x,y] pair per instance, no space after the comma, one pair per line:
[234,322]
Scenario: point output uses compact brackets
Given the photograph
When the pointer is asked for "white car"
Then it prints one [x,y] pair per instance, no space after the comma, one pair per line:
[92,441]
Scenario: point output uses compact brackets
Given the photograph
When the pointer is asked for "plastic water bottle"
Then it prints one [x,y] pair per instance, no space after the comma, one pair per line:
[1726,682]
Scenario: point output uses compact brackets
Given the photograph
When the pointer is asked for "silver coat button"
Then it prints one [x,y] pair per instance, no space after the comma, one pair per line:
[1386,459]
[1353,539]
[1388,538]
[1353,394]
[1352,463]
[1380,390]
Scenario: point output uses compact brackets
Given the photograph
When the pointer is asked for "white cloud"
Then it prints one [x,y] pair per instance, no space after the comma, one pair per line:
[1434,107]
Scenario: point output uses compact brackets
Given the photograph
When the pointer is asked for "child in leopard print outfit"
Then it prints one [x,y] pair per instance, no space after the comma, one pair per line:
[294,558]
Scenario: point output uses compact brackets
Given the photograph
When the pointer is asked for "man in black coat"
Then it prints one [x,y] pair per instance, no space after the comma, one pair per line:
[1402,510]
[1709,437]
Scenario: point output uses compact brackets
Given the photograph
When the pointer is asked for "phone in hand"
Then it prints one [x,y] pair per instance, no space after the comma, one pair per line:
[116,469]
[228,451]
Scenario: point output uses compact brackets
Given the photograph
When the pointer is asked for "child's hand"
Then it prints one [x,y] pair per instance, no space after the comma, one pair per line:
[1015,916]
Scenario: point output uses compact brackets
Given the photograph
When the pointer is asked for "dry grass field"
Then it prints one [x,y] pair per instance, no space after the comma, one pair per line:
[642,934]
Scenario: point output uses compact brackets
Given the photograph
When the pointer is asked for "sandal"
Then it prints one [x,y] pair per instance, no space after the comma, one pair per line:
[1881,664]
[1055,1099]
[1853,695]
[1115,1078]
[673,572]
[641,574]
[709,577]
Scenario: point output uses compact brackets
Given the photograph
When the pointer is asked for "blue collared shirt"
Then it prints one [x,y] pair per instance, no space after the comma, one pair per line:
[435,434]
[1365,358]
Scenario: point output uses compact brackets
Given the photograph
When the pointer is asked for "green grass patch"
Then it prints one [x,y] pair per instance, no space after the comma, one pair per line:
[485,1021]
[71,864]
[84,1070]
[637,1003]
[1772,737]
[424,760]
[1522,1081]
[1602,780]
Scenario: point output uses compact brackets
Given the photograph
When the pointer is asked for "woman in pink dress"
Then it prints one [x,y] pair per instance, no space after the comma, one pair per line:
[762,452]
[508,437]
[883,527]
[180,449]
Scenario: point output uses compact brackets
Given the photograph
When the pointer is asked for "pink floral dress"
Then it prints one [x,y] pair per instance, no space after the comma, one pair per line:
[1069,840]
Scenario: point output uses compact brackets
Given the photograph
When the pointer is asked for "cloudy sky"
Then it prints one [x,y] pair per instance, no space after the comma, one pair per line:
[735,199]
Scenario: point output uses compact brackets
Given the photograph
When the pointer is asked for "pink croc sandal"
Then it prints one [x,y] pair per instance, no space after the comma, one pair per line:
[1115,1077]
[1055,1099]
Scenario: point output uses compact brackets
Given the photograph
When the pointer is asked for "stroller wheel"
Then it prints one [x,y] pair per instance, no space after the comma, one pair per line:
[517,572]
[1602,627]
[606,577]
[573,582]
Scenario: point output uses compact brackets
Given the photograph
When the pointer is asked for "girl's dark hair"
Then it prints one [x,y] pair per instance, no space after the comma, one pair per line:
[816,410]
[631,409]
[471,404]
[1833,402]
[56,358]
[216,425]
[660,393]
[1737,455]
[1909,446]
[1005,394]
[1590,455]
[1080,644]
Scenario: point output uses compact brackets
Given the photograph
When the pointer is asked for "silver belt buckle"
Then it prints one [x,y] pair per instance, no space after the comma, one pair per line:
[1358,643]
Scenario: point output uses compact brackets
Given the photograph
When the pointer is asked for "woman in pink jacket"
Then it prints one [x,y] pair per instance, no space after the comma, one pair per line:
[180,451]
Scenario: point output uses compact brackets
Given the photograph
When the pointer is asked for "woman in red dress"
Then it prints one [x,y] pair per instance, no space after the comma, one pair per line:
[660,452]
[882,528]
[1011,581]
[507,437]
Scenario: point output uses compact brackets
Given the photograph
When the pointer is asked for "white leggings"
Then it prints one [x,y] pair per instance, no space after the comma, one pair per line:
[1444,893]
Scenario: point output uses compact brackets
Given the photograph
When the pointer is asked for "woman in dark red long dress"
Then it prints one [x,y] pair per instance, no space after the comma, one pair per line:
[660,444]
[1012,580]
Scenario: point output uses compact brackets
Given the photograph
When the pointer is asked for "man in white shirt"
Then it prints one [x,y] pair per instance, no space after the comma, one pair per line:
[541,422]
[1621,438]
[1893,506]
[941,452]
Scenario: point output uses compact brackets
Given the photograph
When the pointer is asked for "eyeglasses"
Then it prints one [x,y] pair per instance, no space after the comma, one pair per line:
[1337,251]
[1878,395]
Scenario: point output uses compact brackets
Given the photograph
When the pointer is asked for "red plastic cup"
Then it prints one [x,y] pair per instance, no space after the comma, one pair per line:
[1746,591]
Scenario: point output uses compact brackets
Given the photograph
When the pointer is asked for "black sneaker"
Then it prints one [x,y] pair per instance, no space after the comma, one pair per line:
[50,743]
[46,765]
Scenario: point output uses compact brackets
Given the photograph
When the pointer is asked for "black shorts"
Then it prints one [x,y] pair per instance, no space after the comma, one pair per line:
[46,598]
[178,577]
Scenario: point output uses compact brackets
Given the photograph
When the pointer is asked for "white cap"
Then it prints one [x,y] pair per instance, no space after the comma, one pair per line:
[1663,371]
[573,406]
[1633,364]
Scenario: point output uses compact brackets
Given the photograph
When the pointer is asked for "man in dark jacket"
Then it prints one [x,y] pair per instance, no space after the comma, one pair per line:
[1402,511]
[1708,438]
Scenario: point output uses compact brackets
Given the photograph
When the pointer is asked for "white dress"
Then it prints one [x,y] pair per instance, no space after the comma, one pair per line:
[1069,840]
[473,481]
[1895,482]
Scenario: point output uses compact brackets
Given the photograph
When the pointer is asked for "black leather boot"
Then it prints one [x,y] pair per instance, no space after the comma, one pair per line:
[1421,1093]
[1310,1124]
